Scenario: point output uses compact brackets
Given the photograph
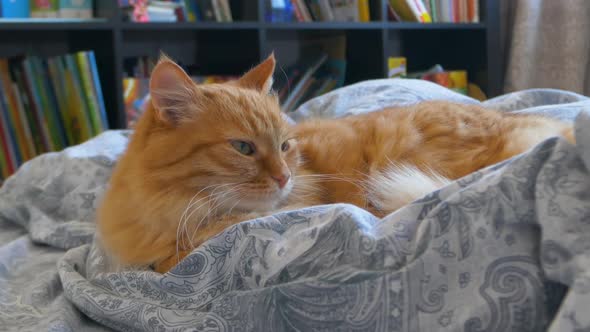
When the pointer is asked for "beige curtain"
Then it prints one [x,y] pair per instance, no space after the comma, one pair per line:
[547,44]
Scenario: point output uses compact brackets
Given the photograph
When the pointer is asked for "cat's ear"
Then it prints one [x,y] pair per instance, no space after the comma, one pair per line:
[260,77]
[171,91]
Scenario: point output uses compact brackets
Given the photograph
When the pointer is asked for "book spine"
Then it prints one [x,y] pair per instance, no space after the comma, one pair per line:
[29,78]
[434,11]
[4,170]
[6,141]
[98,90]
[217,10]
[48,101]
[304,11]
[93,111]
[422,12]
[13,113]
[72,105]
[326,10]
[297,11]
[44,8]
[58,88]
[227,10]
[78,111]
[9,130]
[364,12]
[29,140]
[475,11]
[32,120]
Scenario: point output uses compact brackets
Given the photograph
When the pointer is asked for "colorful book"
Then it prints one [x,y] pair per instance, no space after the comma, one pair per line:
[403,9]
[78,110]
[29,141]
[11,104]
[345,10]
[14,8]
[9,129]
[30,112]
[75,9]
[364,11]
[44,8]
[60,95]
[98,90]
[6,142]
[88,92]
[47,98]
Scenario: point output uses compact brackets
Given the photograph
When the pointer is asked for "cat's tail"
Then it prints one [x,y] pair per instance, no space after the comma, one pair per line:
[399,185]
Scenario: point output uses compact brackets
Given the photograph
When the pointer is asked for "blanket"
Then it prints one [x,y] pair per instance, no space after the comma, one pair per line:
[505,248]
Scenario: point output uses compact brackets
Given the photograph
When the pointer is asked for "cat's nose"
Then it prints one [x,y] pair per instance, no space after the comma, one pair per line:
[281,179]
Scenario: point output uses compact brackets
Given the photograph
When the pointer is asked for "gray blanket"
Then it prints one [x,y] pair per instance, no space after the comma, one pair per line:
[506,248]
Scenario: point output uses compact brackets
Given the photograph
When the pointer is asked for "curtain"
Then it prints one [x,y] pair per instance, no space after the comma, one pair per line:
[547,44]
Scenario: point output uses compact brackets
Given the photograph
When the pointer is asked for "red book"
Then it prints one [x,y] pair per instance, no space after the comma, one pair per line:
[456,11]
[5,141]
[297,11]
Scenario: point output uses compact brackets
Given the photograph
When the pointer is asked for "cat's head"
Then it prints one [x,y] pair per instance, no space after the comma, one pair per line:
[229,141]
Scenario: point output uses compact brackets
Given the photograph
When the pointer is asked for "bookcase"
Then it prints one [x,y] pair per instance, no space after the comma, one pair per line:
[232,48]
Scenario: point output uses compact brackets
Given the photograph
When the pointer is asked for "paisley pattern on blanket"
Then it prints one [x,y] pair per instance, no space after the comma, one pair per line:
[506,248]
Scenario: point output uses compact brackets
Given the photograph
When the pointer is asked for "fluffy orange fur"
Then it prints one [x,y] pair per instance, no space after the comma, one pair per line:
[204,157]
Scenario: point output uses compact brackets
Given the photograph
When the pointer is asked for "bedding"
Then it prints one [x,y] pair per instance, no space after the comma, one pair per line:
[506,248]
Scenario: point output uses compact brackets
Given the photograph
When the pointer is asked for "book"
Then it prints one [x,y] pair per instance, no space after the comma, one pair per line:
[364,12]
[47,99]
[10,128]
[98,89]
[14,8]
[32,119]
[44,8]
[326,10]
[206,9]
[75,108]
[345,10]
[41,106]
[404,11]
[281,11]
[226,11]
[397,67]
[33,87]
[89,93]
[75,9]
[6,142]
[80,112]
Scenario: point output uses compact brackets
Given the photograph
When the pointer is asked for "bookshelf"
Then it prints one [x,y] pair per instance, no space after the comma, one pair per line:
[232,48]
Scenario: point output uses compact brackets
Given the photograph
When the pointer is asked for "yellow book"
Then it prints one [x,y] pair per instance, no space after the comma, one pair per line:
[403,10]
[397,67]
[364,15]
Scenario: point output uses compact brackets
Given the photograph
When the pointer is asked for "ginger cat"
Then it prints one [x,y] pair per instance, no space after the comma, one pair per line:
[204,157]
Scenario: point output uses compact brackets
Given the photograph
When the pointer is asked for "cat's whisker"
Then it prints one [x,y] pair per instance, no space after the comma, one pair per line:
[217,204]
[211,206]
[181,221]
[182,225]
[208,203]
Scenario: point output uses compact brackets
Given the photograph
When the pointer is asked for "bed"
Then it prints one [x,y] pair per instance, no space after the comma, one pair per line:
[506,248]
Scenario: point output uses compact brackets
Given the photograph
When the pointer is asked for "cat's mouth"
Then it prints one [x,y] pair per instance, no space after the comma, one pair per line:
[258,198]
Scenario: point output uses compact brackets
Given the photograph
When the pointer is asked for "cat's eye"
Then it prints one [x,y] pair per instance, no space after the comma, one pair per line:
[243,147]
[285,146]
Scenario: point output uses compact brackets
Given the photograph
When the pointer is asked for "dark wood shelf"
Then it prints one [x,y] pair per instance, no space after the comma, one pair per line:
[232,48]
[51,24]
[434,26]
[190,26]
[323,26]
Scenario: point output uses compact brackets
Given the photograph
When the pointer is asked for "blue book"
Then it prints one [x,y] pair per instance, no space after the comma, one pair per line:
[75,9]
[14,8]
[13,146]
[98,89]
